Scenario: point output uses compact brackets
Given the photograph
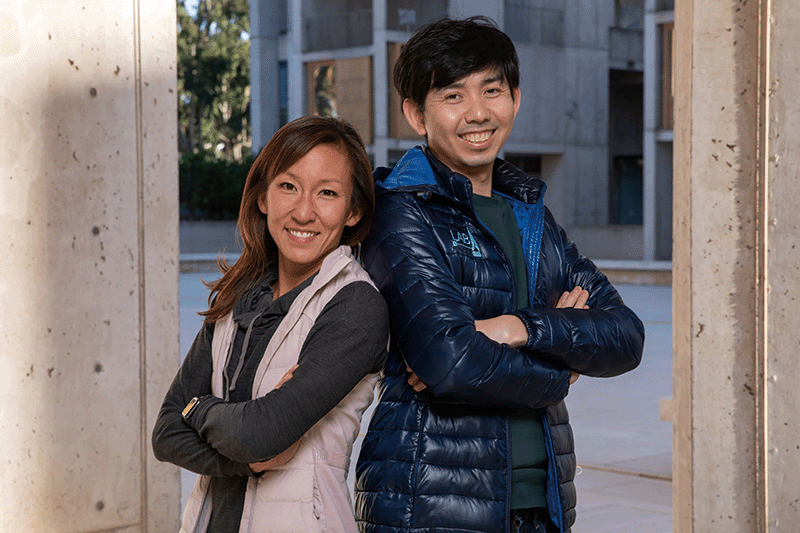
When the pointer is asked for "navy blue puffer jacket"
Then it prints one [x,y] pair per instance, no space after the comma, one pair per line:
[439,460]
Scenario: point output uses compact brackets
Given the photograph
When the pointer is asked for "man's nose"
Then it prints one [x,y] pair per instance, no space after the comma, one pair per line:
[478,111]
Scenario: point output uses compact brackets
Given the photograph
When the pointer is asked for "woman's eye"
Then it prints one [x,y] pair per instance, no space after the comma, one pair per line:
[328,192]
[287,186]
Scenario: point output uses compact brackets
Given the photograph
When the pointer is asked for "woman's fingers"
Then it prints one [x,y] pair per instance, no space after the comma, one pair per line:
[414,381]
[286,377]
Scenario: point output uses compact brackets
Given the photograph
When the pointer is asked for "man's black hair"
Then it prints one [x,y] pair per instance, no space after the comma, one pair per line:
[445,51]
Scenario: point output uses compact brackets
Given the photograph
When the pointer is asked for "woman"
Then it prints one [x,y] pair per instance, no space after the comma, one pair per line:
[269,398]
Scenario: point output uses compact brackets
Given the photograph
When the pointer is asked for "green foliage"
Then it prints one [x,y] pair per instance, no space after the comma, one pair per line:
[210,187]
[214,78]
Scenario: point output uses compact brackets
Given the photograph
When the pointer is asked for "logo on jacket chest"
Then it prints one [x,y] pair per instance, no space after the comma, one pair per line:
[463,241]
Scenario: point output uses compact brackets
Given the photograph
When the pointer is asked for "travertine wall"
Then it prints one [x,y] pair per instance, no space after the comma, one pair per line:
[88,275]
[736,267]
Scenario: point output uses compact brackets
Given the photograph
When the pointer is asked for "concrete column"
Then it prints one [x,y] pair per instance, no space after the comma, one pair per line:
[652,92]
[88,277]
[294,63]
[381,82]
[264,104]
[736,267]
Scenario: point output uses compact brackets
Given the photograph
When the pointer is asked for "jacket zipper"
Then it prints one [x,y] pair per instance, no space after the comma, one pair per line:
[552,473]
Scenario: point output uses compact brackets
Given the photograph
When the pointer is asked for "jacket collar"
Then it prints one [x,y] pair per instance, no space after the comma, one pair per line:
[420,171]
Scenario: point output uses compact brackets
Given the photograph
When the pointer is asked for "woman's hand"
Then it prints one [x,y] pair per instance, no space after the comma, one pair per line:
[286,377]
[286,455]
[279,460]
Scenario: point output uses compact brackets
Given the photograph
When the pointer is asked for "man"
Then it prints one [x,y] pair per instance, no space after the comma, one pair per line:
[494,313]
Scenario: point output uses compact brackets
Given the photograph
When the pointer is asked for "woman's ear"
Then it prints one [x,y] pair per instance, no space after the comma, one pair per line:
[262,202]
[415,116]
[355,217]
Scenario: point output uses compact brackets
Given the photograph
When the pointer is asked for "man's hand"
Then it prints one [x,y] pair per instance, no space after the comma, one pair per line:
[286,455]
[504,329]
[576,298]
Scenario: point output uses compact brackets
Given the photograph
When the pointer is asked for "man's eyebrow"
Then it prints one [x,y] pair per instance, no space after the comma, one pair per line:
[497,78]
[454,85]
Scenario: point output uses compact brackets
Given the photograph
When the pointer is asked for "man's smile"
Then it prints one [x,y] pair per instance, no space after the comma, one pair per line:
[477,137]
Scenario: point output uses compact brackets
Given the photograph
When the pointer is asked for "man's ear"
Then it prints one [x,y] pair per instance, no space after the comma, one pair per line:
[414,116]
[516,94]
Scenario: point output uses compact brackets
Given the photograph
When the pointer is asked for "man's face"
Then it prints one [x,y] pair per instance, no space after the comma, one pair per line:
[467,123]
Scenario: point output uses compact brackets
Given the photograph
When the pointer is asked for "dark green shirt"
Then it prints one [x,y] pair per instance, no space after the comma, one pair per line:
[528,453]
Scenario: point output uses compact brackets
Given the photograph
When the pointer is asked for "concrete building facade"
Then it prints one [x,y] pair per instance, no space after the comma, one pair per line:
[579,128]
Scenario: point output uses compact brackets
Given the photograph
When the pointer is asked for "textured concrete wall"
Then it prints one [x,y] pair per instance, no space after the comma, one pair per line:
[736,283]
[780,262]
[565,102]
[88,279]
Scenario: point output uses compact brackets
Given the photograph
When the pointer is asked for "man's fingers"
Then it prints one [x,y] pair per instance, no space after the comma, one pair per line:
[576,298]
[583,297]
[562,300]
[572,297]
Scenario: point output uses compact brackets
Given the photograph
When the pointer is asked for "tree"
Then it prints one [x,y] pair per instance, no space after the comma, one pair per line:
[214,78]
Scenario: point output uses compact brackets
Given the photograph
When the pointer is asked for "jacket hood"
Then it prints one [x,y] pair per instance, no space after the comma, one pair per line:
[420,171]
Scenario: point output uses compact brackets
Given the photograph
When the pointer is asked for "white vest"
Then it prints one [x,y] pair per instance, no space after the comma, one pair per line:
[309,493]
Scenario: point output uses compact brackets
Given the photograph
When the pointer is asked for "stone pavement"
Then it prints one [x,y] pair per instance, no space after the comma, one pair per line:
[624,450]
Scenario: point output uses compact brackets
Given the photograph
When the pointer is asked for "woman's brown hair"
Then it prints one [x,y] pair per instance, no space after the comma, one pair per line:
[284,149]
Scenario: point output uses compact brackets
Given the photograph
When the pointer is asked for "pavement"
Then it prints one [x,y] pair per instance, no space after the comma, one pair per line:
[624,451]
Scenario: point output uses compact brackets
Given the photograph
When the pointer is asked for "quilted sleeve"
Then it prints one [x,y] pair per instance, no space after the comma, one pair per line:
[603,341]
[433,326]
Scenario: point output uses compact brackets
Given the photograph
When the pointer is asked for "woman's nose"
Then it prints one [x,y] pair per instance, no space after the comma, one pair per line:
[304,210]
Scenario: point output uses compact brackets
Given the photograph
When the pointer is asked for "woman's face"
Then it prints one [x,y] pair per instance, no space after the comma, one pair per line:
[307,208]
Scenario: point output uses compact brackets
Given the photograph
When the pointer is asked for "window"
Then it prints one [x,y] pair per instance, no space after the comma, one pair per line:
[627,198]
[408,15]
[665,5]
[398,125]
[283,92]
[667,81]
[629,14]
[336,25]
[528,163]
[342,88]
